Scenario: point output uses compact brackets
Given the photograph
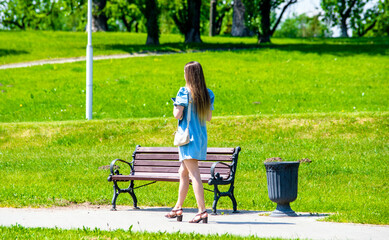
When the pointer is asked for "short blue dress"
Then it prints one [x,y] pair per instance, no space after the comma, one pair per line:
[197,147]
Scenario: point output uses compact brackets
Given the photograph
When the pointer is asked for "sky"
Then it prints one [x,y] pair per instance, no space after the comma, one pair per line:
[309,7]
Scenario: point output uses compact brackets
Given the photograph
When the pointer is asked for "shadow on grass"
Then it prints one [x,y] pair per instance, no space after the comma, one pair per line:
[335,49]
[5,52]
[175,47]
[345,48]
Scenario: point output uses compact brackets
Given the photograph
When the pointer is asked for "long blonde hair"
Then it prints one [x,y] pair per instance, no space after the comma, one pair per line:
[195,81]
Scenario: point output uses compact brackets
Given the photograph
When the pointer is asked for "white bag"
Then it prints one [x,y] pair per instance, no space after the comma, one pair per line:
[182,137]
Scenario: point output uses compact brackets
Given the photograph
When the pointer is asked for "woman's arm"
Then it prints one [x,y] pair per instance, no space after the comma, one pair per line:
[209,116]
[178,111]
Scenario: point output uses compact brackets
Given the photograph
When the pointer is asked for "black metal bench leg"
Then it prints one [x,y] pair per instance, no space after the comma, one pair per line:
[132,193]
[115,196]
[215,199]
[232,197]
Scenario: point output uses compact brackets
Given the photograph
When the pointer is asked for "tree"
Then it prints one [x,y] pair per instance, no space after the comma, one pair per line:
[187,18]
[42,14]
[212,18]
[123,15]
[362,21]
[218,11]
[223,9]
[99,19]
[151,11]
[303,26]
[353,14]
[239,28]
[259,16]
[381,28]
[339,11]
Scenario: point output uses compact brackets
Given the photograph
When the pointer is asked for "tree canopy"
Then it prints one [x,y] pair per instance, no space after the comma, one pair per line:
[192,17]
[353,14]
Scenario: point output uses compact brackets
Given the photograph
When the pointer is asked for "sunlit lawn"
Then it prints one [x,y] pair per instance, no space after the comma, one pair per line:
[320,99]
[45,233]
[245,82]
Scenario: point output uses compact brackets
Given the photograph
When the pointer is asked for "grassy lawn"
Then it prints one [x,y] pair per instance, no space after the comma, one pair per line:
[326,100]
[22,46]
[246,82]
[57,163]
[44,233]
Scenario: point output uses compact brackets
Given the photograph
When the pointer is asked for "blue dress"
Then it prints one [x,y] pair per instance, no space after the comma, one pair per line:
[197,147]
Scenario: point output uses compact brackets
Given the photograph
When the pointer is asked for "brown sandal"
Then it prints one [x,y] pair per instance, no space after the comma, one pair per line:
[197,220]
[173,214]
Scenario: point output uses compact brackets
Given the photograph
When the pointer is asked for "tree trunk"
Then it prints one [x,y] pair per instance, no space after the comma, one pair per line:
[212,18]
[265,9]
[126,23]
[193,33]
[218,24]
[152,13]
[239,28]
[343,26]
[99,19]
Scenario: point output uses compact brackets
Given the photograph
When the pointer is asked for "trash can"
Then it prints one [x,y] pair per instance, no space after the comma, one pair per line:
[282,179]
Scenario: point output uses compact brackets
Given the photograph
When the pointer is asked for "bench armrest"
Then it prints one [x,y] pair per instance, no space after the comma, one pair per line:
[116,172]
[217,175]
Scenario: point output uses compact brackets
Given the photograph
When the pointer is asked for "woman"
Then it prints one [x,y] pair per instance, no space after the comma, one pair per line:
[196,93]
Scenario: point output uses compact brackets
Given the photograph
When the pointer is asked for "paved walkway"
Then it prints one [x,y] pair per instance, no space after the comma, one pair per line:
[152,220]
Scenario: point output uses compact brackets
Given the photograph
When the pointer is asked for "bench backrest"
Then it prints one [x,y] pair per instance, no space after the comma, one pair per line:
[165,160]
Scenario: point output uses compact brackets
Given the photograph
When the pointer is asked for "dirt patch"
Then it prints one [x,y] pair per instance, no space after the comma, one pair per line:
[278,159]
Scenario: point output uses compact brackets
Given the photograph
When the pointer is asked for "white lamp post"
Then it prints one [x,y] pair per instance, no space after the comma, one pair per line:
[89,65]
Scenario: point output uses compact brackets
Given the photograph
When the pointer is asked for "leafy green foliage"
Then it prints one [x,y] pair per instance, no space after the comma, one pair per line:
[381,28]
[340,12]
[126,13]
[43,14]
[261,17]
[303,26]
[363,21]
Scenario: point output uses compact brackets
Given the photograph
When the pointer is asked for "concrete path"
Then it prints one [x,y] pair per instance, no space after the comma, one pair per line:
[153,220]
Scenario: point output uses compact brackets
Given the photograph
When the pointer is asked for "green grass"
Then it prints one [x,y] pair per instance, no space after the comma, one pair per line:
[305,98]
[19,232]
[22,46]
[246,82]
[57,163]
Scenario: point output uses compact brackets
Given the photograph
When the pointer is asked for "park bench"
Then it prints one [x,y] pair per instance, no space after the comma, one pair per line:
[155,164]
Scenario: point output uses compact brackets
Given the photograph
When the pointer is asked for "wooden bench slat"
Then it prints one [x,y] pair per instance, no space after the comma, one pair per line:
[175,157]
[220,150]
[156,157]
[202,164]
[175,150]
[157,177]
[174,170]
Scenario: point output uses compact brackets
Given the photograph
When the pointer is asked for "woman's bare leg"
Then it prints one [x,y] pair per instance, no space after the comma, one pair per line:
[184,186]
[194,171]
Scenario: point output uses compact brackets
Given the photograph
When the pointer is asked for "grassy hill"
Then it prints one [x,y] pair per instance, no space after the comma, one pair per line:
[325,100]
[273,80]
